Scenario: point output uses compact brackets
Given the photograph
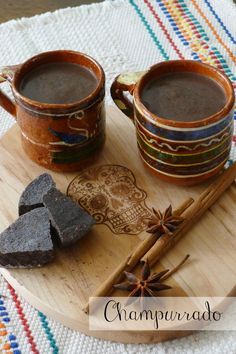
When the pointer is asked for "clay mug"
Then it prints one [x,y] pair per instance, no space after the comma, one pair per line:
[180,152]
[60,137]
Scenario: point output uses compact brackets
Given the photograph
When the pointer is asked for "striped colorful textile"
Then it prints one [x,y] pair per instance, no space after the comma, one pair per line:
[123,35]
[22,329]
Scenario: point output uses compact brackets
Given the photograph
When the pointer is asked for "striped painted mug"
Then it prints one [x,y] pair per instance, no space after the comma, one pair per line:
[181,152]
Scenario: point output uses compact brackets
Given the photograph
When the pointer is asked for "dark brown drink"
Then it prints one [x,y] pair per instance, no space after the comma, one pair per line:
[183,96]
[58,83]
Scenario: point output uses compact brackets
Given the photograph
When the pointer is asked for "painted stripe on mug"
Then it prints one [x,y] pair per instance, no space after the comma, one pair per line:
[79,112]
[184,176]
[34,142]
[79,154]
[195,154]
[155,159]
[178,129]
[214,138]
[183,134]
[55,143]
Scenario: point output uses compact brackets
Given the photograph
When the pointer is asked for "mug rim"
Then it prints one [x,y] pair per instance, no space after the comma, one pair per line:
[64,106]
[157,120]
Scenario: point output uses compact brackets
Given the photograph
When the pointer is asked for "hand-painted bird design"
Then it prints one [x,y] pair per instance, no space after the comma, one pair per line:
[69,138]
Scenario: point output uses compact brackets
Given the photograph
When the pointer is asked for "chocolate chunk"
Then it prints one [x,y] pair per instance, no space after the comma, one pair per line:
[32,197]
[70,221]
[27,242]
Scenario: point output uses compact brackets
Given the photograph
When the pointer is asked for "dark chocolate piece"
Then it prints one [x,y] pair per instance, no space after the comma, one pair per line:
[70,221]
[32,197]
[27,242]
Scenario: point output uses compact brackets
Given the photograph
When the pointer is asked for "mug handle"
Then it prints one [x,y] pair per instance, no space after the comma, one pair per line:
[7,74]
[125,83]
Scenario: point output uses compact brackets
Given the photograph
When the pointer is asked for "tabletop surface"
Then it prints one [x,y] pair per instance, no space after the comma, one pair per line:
[25,8]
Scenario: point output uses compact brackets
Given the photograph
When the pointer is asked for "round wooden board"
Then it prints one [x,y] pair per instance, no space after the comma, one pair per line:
[61,289]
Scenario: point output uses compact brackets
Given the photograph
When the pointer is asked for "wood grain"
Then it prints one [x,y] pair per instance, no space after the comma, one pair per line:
[61,289]
[11,9]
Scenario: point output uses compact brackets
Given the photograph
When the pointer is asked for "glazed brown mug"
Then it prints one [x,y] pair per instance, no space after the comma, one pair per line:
[180,152]
[61,137]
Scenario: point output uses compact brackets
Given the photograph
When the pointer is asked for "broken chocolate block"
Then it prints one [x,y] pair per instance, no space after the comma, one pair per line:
[27,242]
[32,197]
[70,221]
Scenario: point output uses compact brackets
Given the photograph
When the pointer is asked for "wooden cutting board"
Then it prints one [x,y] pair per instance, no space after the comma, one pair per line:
[62,288]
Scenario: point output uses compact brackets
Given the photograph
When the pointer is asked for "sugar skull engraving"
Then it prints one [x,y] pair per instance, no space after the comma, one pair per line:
[110,194]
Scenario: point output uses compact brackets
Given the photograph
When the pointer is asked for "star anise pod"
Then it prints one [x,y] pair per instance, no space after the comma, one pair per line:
[147,286]
[163,223]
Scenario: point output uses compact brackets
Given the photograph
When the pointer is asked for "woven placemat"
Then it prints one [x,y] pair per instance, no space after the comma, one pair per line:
[122,35]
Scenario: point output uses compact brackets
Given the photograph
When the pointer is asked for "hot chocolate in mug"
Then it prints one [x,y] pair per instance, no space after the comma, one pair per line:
[183,116]
[59,106]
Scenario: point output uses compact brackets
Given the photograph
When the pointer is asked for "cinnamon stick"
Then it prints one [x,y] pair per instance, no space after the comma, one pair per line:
[192,215]
[130,262]
[150,239]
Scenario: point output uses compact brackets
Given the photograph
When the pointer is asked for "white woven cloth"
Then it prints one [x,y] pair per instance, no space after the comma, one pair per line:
[122,35]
